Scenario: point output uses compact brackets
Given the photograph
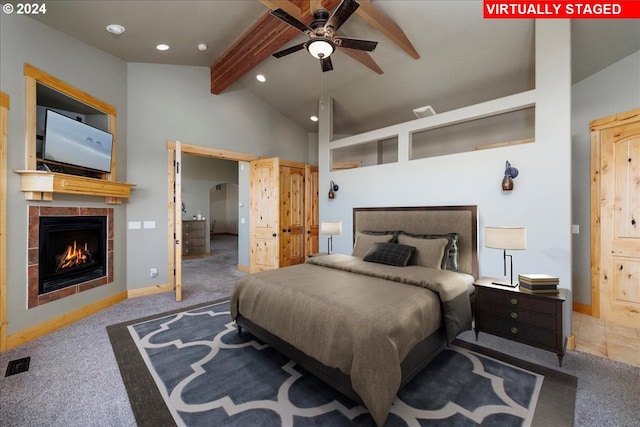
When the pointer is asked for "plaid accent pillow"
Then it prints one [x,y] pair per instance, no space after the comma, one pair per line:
[450,259]
[389,253]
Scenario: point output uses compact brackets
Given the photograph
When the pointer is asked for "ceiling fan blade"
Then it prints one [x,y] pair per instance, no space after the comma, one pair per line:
[289,50]
[341,14]
[358,44]
[284,16]
[326,64]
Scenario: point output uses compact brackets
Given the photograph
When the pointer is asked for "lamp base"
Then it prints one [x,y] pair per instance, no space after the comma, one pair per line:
[507,284]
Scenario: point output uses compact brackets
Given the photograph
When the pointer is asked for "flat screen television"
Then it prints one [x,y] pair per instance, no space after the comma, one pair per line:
[74,143]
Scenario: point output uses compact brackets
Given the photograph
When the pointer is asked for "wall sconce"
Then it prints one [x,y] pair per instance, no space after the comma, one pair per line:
[332,190]
[333,228]
[512,238]
[510,173]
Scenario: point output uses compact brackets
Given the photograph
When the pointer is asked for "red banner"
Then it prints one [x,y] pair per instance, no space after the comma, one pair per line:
[502,9]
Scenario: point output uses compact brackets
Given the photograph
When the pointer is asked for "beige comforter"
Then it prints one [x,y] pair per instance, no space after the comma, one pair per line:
[362,324]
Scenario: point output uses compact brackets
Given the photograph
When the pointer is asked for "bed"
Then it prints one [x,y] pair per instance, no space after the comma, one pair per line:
[368,322]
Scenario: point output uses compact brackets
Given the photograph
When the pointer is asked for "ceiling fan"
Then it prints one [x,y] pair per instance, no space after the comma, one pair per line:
[323,39]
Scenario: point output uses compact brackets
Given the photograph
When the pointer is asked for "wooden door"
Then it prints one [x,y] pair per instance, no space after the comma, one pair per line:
[264,221]
[617,140]
[292,217]
[311,209]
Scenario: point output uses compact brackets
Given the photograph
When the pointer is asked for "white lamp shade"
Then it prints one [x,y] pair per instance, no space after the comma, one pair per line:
[505,237]
[320,48]
[333,228]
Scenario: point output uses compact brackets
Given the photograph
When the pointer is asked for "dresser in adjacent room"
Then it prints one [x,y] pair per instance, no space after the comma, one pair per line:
[194,235]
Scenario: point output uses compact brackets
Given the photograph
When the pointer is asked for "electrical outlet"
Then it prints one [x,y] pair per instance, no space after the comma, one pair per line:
[575,229]
[153,272]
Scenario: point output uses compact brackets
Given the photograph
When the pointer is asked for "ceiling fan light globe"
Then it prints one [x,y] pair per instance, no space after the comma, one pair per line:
[320,49]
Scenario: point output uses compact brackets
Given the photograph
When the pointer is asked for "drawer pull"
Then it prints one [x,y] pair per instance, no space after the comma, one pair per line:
[514,330]
[514,301]
[514,315]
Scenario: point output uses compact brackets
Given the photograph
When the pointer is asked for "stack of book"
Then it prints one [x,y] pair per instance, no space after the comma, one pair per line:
[538,283]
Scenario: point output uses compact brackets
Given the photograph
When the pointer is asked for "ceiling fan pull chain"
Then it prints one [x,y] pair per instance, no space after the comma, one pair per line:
[321,91]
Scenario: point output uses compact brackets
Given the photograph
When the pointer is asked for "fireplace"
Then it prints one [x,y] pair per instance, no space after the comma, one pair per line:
[72,254]
[72,250]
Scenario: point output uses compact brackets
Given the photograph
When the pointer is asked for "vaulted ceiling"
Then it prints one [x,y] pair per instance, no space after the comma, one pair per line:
[438,53]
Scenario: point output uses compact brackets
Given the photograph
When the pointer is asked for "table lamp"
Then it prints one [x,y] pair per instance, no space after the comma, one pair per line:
[506,238]
[332,228]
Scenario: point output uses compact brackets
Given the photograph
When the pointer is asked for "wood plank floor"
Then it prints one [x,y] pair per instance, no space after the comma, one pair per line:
[607,339]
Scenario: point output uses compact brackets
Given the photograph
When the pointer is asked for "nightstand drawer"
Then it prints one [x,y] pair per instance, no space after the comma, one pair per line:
[526,334]
[518,315]
[517,300]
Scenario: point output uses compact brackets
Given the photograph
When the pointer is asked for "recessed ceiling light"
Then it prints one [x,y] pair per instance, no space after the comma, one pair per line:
[115,29]
[202,47]
[162,46]
[425,111]
[314,118]
[261,78]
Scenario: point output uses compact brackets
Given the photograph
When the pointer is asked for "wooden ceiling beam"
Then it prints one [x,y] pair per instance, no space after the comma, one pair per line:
[364,58]
[265,37]
[285,5]
[386,26]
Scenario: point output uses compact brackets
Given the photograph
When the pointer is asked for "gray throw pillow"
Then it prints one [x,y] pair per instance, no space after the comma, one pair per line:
[364,241]
[450,259]
[429,252]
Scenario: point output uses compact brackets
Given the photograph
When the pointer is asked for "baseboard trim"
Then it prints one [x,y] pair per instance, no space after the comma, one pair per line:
[63,320]
[149,290]
[582,308]
[243,268]
[571,342]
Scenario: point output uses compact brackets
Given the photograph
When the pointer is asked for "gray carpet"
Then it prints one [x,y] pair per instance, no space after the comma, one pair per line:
[83,387]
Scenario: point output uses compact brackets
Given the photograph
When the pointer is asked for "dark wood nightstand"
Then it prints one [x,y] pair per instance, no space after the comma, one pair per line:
[533,319]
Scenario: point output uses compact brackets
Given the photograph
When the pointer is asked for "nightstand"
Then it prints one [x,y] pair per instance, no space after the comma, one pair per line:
[533,319]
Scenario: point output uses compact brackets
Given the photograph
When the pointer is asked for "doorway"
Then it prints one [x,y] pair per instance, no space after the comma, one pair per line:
[176,150]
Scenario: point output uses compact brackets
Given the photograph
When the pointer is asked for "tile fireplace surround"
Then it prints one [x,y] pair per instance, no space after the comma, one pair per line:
[35,212]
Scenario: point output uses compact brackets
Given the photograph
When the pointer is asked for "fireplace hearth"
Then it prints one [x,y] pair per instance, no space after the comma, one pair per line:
[73,254]
[72,250]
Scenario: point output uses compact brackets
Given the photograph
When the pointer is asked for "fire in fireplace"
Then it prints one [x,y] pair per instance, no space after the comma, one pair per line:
[72,250]
[74,256]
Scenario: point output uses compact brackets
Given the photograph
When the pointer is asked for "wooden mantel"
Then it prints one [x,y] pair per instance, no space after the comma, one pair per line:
[41,185]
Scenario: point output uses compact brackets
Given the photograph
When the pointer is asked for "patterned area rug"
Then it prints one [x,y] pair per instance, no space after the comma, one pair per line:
[192,368]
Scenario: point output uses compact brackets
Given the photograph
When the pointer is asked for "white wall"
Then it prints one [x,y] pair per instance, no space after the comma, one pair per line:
[24,40]
[170,102]
[541,200]
[610,91]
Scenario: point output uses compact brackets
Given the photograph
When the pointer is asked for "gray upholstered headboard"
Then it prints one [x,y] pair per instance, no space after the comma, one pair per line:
[427,220]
